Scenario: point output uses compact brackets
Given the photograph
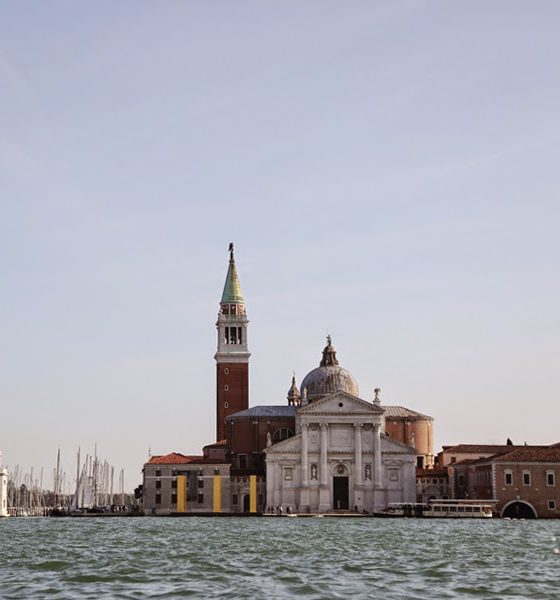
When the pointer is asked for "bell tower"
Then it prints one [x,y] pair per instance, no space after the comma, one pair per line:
[232,355]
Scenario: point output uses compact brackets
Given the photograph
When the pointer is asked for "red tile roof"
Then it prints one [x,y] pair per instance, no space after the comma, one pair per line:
[220,444]
[483,448]
[431,472]
[530,454]
[401,412]
[174,458]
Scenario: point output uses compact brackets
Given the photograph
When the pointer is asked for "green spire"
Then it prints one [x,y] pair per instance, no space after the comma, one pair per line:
[232,289]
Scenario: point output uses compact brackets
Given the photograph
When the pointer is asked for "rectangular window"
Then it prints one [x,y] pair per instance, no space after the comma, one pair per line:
[200,498]
[552,505]
[173,498]
[174,483]
[550,478]
[239,335]
[234,499]
[508,478]
[158,498]
[420,462]
[158,472]
[200,483]
[526,478]
[242,461]
[158,485]
[227,335]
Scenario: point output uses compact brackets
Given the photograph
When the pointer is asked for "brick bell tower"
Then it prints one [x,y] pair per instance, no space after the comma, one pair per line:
[232,355]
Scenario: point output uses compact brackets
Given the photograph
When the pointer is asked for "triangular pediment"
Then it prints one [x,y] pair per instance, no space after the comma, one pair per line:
[288,445]
[340,402]
[388,444]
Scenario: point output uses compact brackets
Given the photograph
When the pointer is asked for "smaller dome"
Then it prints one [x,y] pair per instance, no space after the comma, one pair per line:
[329,377]
[293,393]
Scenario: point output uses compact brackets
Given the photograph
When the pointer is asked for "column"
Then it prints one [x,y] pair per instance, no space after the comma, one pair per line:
[304,479]
[324,489]
[358,453]
[304,466]
[324,466]
[377,474]
[358,468]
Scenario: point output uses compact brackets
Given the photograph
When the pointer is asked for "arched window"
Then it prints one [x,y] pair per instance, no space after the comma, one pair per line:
[282,434]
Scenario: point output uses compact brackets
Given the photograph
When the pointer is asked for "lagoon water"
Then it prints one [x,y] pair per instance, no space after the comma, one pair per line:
[278,558]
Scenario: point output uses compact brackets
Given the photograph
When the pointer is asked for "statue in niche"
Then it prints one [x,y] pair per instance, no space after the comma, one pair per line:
[314,472]
[368,472]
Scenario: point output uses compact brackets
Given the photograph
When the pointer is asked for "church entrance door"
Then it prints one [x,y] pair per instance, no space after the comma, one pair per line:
[340,493]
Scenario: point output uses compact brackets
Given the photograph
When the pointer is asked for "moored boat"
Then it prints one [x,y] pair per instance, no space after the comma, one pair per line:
[441,509]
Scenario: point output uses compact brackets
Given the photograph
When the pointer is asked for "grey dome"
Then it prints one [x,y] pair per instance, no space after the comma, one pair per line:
[329,377]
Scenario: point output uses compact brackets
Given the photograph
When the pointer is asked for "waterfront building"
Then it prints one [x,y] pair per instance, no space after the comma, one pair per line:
[339,458]
[432,484]
[176,483]
[459,452]
[523,479]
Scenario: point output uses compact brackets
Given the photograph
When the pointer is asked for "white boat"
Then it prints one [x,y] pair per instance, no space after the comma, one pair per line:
[460,509]
[442,509]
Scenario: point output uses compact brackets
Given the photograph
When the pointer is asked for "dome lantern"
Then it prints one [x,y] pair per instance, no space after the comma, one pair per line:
[329,377]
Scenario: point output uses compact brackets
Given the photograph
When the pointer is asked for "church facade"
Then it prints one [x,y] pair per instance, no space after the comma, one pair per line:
[339,458]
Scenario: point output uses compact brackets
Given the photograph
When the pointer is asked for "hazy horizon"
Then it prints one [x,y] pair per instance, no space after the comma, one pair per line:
[387,171]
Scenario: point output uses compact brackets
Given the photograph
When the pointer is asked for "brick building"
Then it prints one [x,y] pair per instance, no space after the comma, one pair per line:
[523,480]
[431,484]
[163,476]
[413,428]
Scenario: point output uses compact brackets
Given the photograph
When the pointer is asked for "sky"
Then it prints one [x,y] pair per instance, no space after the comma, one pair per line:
[387,170]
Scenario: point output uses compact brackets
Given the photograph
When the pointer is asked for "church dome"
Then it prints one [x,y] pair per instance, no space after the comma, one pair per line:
[328,377]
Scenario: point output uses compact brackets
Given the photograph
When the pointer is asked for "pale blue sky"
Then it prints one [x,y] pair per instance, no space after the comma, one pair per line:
[387,170]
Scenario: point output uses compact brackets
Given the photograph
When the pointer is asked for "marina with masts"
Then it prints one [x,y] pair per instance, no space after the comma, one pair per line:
[95,488]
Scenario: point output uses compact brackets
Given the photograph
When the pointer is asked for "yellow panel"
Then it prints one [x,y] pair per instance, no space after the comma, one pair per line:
[181,494]
[253,493]
[217,493]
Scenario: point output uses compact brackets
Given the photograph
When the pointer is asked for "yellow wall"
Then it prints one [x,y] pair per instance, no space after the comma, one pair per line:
[217,493]
[181,494]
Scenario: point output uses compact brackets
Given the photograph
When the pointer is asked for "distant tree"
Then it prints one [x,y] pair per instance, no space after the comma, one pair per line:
[509,442]
[139,492]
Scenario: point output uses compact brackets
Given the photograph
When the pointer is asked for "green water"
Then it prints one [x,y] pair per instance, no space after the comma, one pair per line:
[278,558]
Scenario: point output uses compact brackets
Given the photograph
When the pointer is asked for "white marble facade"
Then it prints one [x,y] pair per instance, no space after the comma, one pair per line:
[339,459]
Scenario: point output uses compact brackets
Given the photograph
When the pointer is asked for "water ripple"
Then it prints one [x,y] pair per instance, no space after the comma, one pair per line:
[280,558]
